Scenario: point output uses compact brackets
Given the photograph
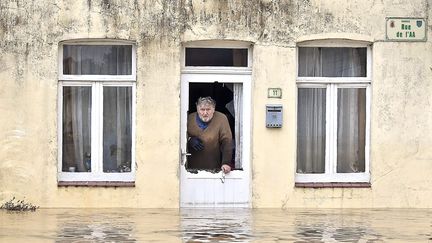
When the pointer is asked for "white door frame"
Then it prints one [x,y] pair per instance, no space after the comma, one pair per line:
[233,197]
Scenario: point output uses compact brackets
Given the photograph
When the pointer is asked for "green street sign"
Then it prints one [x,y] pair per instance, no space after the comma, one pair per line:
[405,29]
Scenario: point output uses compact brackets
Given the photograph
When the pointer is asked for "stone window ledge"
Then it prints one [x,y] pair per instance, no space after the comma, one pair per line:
[333,185]
[97,183]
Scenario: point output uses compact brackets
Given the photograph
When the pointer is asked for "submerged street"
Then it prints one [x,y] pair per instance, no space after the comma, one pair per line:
[217,225]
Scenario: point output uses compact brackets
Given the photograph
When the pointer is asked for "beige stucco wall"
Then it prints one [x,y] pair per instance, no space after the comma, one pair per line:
[401,111]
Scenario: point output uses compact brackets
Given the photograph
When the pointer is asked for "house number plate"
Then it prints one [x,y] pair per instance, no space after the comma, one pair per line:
[275,93]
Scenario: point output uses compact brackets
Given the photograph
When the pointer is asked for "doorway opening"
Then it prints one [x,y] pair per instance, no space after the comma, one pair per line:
[229,100]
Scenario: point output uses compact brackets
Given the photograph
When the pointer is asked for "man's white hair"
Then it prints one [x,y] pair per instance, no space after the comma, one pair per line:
[206,100]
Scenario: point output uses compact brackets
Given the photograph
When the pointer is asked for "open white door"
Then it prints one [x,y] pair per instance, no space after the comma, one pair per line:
[209,189]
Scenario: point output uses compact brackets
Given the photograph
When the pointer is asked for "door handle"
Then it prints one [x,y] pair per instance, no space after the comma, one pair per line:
[184,157]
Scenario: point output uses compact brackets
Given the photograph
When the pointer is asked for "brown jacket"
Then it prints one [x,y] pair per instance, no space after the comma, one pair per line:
[217,141]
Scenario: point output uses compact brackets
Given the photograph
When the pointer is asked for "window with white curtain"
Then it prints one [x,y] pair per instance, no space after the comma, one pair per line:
[333,100]
[97,111]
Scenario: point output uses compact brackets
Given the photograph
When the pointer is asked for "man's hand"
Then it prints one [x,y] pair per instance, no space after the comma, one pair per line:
[196,144]
[226,168]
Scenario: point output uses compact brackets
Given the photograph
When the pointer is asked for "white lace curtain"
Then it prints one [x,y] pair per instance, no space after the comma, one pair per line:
[76,127]
[351,130]
[332,62]
[117,125]
[238,108]
[311,130]
[97,59]
[235,107]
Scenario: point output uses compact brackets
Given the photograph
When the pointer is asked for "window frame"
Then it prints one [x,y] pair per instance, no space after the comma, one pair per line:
[332,84]
[217,69]
[97,83]
[114,78]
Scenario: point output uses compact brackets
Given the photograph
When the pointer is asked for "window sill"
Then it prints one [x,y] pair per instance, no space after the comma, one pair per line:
[333,184]
[97,183]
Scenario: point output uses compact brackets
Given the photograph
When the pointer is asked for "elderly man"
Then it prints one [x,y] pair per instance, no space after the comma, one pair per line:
[209,137]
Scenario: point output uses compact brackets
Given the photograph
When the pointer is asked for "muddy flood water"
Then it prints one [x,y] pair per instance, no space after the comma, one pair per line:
[217,225]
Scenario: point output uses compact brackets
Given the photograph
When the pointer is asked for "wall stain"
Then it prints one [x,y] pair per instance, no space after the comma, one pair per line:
[278,22]
[29,36]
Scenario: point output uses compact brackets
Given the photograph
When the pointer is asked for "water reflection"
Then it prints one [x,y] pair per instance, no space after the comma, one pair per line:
[217,225]
[95,226]
[335,225]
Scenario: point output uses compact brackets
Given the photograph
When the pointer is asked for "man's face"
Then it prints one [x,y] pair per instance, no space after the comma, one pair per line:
[205,112]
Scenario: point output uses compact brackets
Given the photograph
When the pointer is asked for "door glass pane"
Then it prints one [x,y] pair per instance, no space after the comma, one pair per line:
[117,129]
[311,130]
[227,57]
[76,144]
[97,59]
[351,130]
[332,62]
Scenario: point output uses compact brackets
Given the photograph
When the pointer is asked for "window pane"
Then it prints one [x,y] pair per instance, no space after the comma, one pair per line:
[311,131]
[76,129]
[351,130]
[332,62]
[216,57]
[117,129]
[97,59]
